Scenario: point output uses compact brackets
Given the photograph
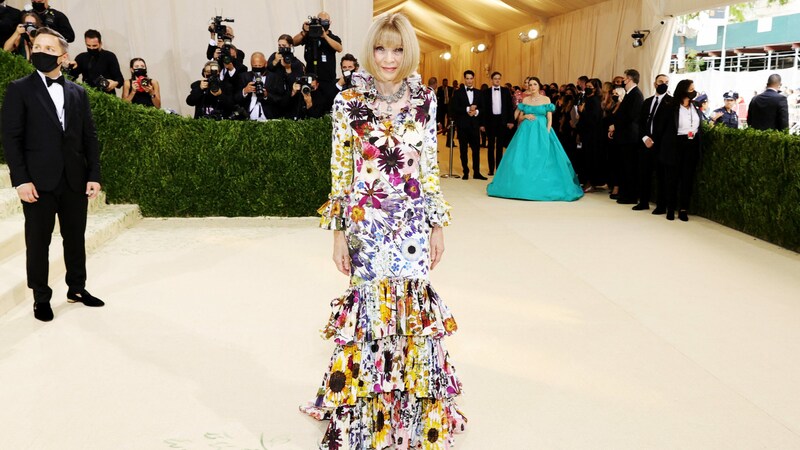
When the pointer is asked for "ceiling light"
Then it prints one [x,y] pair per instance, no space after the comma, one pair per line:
[532,34]
[639,36]
[481,47]
[446,56]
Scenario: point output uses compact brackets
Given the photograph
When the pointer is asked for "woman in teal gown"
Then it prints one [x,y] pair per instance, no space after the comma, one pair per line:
[535,166]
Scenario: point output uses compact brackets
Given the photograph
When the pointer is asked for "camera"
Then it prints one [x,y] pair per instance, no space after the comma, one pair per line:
[30,28]
[219,28]
[348,78]
[258,84]
[315,30]
[286,54]
[213,80]
[143,83]
[102,83]
[305,84]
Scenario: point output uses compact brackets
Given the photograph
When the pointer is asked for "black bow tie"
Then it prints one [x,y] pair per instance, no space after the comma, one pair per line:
[50,81]
[469,89]
[496,89]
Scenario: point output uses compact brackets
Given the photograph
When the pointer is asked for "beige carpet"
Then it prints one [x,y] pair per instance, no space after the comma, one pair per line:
[582,326]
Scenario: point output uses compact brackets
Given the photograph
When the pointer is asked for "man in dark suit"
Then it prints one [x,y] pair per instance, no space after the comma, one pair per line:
[655,110]
[444,96]
[9,19]
[624,131]
[467,104]
[498,120]
[54,19]
[51,147]
[769,110]
[266,105]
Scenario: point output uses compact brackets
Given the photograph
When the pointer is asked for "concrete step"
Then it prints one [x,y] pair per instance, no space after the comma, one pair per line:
[5,178]
[103,224]
[11,205]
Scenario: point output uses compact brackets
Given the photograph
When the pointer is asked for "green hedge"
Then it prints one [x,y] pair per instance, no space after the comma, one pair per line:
[173,166]
[750,180]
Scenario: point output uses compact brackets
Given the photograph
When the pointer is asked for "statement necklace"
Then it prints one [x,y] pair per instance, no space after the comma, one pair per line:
[388,99]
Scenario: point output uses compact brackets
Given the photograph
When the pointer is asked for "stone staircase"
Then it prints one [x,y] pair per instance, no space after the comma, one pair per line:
[105,222]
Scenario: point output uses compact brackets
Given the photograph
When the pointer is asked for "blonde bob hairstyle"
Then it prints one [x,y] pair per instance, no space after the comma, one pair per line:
[392,31]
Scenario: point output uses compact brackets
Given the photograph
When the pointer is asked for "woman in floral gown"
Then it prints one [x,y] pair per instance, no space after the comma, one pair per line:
[390,383]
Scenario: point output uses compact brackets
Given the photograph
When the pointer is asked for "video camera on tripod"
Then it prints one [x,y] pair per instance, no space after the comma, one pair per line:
[317,27]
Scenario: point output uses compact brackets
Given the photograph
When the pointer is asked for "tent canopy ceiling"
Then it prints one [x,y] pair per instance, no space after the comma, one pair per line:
[441,24]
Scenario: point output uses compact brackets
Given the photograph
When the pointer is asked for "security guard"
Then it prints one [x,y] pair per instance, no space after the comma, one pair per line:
[727,115]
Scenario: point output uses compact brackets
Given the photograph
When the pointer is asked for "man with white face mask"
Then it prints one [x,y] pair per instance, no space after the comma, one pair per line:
[54,19]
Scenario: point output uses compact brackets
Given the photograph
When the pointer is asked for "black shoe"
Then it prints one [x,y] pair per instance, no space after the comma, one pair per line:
[641,207]
[683,215]
[43,311]
[613,196]
[625,201]
[465,177]
[84,297]
[659,210]
[479,177]
[670,214]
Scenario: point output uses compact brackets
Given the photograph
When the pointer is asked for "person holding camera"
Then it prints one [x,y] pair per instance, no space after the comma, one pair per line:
[53,19]
[141,89]
[21,42]
[9,19]
[218,40]
[211,96]
[320,51]
[98,67]
[262,90]
[349,65]
[285,54]
[307,100]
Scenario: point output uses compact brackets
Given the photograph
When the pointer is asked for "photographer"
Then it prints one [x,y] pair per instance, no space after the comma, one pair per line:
[9,19]
[285,53]
[321,47]
[210,96]
[98,67]
[141,89]
[263,90]
[217,41]
[21,42]
[308,100]
[349,66]
[53,19]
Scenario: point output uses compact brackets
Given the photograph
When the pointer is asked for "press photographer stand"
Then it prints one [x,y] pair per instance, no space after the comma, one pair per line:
[450,132]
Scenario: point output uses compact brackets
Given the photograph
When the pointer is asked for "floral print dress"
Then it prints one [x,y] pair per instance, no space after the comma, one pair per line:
[390,383]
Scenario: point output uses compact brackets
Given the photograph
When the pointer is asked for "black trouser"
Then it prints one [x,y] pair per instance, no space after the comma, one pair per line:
[470,136]
[496,132]
[648,162]
[628,162]
[70,206]
[680,177]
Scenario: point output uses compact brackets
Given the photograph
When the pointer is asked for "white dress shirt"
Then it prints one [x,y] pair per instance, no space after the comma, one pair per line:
[56,92]
[687,120]
[496,101]
[470,97]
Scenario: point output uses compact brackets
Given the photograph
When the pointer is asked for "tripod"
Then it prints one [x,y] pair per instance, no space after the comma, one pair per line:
[450,132]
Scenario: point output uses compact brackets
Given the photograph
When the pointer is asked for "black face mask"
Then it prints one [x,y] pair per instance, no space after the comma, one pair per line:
[691,95]
[661,89]
[139,72]
[38,7]
[44,62]
[326,24]
[589,91]
[93,51]
[568,98]
[260,70]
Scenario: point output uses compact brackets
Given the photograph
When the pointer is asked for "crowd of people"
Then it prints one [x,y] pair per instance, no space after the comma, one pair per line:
[615,139]
[273,87]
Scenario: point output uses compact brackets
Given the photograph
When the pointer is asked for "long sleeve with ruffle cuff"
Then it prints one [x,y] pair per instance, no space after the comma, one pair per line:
[437,210]
[332,213]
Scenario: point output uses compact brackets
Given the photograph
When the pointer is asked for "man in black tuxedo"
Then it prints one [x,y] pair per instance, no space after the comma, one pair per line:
[444,96]
[655,110]
[51,147]
[624,130]
[769,110]
[53,19]
[498,120]
[9,19]
[266,105]
[467,105]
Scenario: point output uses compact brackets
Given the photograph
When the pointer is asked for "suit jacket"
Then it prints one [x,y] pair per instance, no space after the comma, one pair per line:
[276,93]
[506,106]
[669,129]
[659,121]
[626,119]
[460,103]
[768,111]
[440,97]
[9,19]
[36,148]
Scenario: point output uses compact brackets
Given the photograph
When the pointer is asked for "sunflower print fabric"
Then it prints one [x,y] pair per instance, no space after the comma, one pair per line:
[390,383]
